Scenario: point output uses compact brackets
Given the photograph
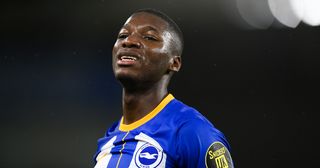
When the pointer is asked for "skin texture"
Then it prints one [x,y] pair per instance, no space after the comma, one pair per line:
[148,39]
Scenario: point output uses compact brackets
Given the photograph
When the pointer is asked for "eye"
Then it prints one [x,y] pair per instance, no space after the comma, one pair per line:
[149,37]
[122,36]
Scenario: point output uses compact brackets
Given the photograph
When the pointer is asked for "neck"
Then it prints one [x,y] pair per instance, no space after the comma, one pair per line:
[138,103]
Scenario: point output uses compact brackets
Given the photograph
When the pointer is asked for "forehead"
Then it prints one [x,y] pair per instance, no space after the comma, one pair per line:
[146,20]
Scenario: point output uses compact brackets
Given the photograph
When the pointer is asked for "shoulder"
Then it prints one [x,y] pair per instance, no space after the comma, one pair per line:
[114,128]
[197,129]
[199,143]
[188,119]
[184,113]
[110,133]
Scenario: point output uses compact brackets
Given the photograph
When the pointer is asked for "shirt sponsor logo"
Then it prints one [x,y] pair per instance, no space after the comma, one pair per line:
[221,162]
[218,156]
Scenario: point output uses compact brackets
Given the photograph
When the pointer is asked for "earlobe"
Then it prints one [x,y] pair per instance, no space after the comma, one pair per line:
[175,63]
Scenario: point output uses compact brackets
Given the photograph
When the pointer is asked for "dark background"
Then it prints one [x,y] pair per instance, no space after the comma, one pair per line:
[58,94]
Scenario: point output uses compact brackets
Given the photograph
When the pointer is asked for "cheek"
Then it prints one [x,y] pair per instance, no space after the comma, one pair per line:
[159,54]
[160,50]
[115,48]
[159,62]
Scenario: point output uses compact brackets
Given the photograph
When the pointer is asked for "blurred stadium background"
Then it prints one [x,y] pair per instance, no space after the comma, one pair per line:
[251,67]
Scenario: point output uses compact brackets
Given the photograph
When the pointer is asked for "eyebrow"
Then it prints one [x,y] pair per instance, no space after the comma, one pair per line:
[146,28]
[150,28]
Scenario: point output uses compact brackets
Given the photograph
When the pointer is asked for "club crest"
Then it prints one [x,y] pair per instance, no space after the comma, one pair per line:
[148,156]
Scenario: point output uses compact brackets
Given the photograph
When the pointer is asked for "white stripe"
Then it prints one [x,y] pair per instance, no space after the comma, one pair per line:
[132,164]
[104,156]
[145,138]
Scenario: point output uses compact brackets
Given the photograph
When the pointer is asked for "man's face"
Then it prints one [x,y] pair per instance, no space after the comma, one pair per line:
[142,50]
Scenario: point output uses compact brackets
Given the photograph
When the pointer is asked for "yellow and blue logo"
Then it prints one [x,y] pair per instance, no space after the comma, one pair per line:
[218,156]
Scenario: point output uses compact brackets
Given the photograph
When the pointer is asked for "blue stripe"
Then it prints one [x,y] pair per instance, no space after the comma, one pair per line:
[113,161]
[127,154]
[115,151]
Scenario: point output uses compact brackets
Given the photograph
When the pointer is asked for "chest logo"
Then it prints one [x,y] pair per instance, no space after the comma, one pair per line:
[148,156]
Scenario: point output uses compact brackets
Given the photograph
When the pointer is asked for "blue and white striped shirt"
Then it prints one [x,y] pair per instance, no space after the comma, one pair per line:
[172,135]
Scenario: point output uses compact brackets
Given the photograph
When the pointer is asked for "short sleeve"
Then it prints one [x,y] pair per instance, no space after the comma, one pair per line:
[201,145]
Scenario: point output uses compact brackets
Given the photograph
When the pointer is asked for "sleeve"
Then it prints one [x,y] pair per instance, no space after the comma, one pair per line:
[201,145]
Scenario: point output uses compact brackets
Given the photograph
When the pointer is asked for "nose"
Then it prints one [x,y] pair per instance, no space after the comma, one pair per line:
[131,42]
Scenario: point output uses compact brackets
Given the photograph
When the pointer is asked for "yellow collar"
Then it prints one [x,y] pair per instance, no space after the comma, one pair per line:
[153,113]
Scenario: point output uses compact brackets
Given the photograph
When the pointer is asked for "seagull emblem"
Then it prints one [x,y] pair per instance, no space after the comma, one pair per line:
[147,155]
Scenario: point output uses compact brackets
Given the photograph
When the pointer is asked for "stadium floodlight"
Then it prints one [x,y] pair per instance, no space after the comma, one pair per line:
[311,15]
[287,12]
[256,13]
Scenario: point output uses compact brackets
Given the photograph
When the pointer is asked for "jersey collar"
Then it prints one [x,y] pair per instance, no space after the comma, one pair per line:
[149,116]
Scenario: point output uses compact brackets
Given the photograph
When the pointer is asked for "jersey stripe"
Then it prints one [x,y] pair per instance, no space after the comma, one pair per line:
[104,156]
[122,149]
[132,163]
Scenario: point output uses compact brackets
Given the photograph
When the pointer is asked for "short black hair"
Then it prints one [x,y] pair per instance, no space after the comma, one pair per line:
[172,26]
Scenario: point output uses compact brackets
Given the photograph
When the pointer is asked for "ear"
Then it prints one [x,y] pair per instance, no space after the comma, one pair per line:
[175,63]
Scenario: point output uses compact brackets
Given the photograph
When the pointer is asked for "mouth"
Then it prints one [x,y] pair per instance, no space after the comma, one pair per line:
[127,58]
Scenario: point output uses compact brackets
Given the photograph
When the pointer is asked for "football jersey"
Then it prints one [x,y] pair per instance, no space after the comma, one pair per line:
[171,135]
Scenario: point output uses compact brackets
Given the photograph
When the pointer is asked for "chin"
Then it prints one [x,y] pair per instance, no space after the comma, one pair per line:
[124,73]
[125,78]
